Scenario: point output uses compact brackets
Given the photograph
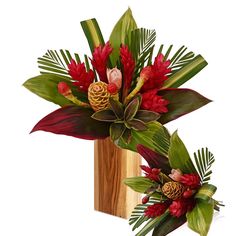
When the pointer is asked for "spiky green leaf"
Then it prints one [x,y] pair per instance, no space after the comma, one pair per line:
[204,160]
[55,62]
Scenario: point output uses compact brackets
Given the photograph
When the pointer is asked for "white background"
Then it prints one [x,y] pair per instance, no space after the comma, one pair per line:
[46,180]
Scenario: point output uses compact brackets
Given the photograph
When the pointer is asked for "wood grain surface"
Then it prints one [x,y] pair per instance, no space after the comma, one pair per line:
[111,166]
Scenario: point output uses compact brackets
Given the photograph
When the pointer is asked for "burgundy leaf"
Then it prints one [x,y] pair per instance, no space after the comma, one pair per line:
[181,102]
[73,121]
[154,159]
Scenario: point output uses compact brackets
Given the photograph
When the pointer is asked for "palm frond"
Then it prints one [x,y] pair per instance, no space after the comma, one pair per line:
[141,44]
[204,160]
[137,217]
[55,62]
[179,59]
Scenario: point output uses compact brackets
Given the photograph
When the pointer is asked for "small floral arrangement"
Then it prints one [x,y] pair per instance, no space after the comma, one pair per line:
[175,190]
[120,91]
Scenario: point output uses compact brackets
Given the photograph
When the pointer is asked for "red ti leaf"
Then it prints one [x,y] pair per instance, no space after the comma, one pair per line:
[73,121]
[181,102]
[154,159]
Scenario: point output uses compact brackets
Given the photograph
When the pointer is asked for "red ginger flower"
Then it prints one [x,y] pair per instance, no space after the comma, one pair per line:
[156,209]
[190,180]
[181,206]
[99,61]
[157,73]
[151,101]
[78,73]
[64,89]
[128,68]
[152,174]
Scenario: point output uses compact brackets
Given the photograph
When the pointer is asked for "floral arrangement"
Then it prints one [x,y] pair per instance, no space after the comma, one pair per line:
[175,190]
[127,92]
[121,91]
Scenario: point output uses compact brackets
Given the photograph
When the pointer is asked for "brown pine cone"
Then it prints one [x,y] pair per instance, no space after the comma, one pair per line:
[173,190]
[98,96]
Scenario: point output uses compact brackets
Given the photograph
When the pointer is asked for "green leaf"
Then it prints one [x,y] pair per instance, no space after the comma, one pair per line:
[117,108]
[181,102]
[93,33]
[185,73]
[206,192]
[149,226]
[137,124]
[156,137]
[147,116]
[119,33]
[132,108]
[137,217]
[178,155]
[104,115]
[200,218]
[168,224]
[204,160]
[139,184]
[116,130]
[53,62]
[141,44]
[45,86]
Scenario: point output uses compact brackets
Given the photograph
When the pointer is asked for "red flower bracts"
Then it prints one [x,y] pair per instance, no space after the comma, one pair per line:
[190,180]
[181,206]
[64,89]
[152,174]
[100,59]
[151,101]
[78,73]
[156,209]
[157,74]
[128,67]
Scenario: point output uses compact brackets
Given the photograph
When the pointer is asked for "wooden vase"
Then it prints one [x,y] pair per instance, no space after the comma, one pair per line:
[111,166]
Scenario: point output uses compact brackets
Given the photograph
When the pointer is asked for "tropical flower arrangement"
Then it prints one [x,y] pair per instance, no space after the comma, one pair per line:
[127,92]
[120,91]
[175,190]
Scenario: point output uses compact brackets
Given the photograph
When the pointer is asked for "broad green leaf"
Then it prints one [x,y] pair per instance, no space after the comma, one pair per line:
[181,102]
[117,130]
[168,224]
[139,184]
[45,86]
[117,108]
[147,116]
[206,192]
[200,218]
[93,33]
[131,109]
[106,115]
[122,29]
[156,137]
[185,73]
[178,155]
[137,125]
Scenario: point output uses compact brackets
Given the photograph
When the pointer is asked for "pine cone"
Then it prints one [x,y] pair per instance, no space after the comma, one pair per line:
[173,190]
[98,96]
